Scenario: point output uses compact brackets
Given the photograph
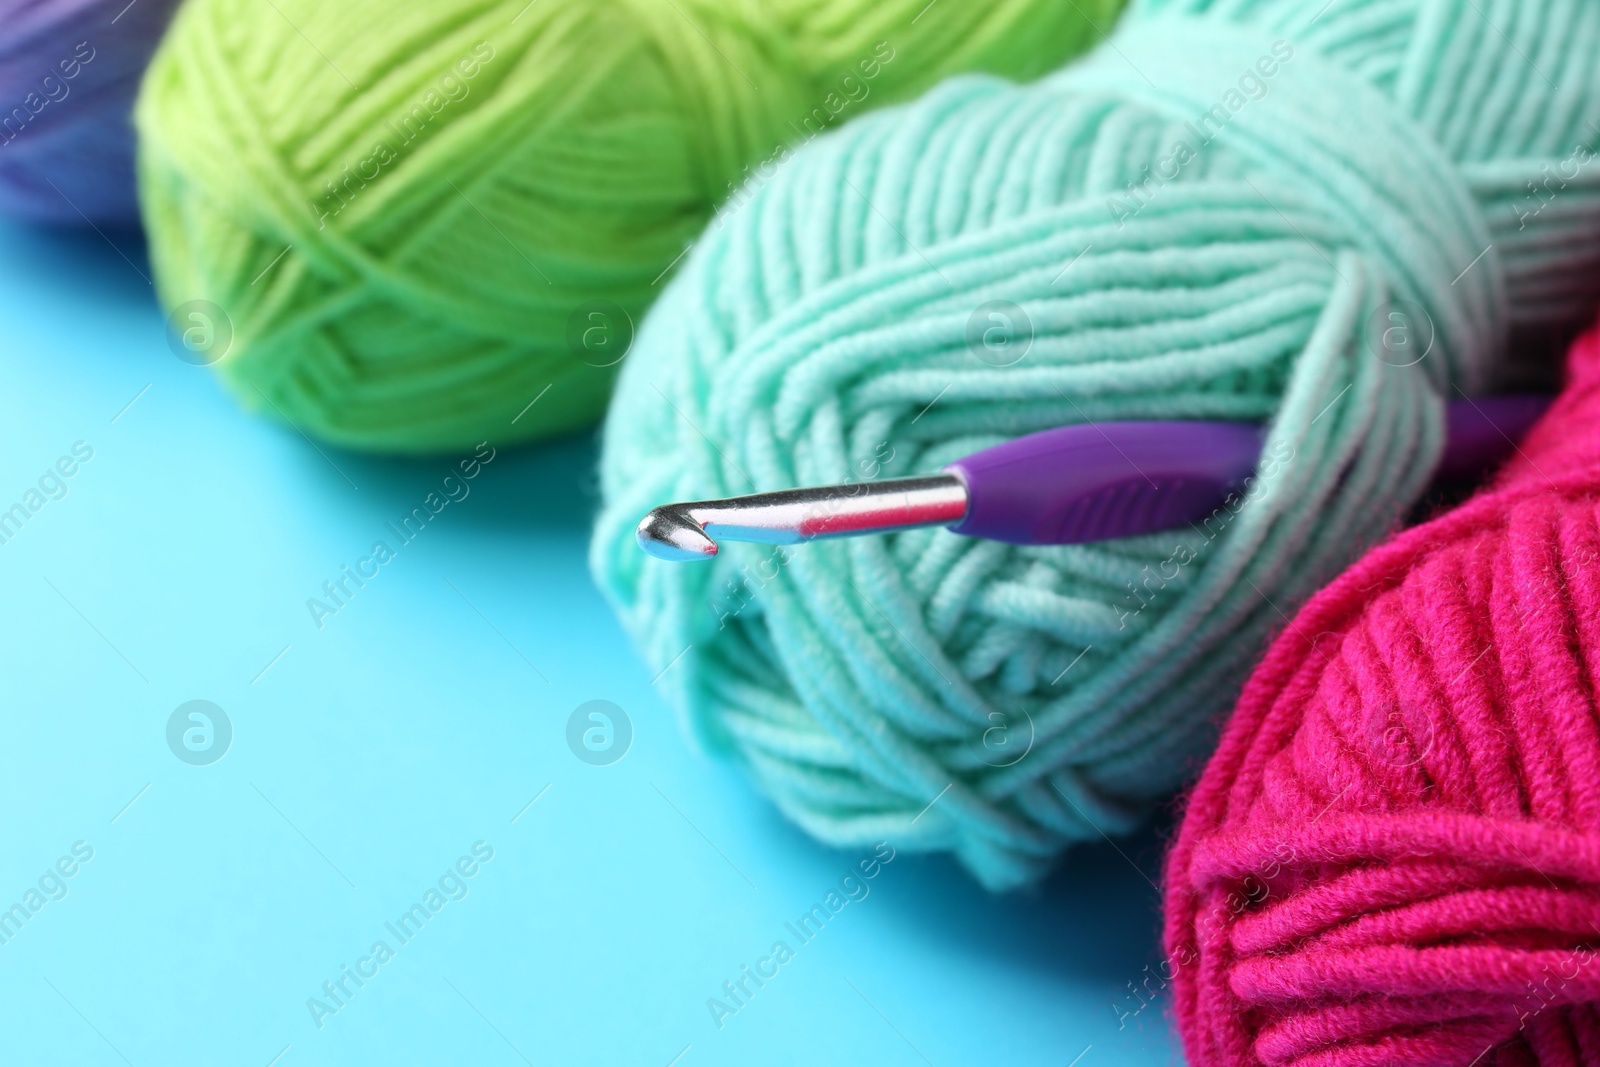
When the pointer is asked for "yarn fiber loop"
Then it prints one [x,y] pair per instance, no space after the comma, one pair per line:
[69,70]
[1395,854]
[839,327]
[439,223]
[1386,188]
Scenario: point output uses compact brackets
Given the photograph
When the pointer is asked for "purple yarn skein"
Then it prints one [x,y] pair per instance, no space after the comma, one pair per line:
[69,71]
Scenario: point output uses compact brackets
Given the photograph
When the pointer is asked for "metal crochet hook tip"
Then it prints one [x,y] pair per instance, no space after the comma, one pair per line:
[670,532]
[688,531]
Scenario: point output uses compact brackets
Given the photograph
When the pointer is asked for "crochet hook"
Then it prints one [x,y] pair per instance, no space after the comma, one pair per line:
[1068,485]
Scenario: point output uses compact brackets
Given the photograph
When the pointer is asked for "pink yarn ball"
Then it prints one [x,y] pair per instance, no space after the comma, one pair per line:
[1394,856]
[69,71]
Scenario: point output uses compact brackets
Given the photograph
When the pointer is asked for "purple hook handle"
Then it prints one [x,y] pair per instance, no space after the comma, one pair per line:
[1098,481]
[1481,434]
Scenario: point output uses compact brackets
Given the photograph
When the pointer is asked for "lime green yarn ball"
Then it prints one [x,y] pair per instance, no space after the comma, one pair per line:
[430,224]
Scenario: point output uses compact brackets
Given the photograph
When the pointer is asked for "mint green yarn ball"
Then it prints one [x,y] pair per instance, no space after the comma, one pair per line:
[1217,215]
[435,222]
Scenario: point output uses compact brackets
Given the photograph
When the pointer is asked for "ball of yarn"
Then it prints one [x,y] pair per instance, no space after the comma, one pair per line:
[69,70]
[439,222]
[1231,211]
[1394,856]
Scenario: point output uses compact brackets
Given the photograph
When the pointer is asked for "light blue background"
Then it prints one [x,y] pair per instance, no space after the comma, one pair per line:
[377,750]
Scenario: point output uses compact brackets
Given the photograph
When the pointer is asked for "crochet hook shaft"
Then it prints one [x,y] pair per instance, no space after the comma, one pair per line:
[1069,485]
